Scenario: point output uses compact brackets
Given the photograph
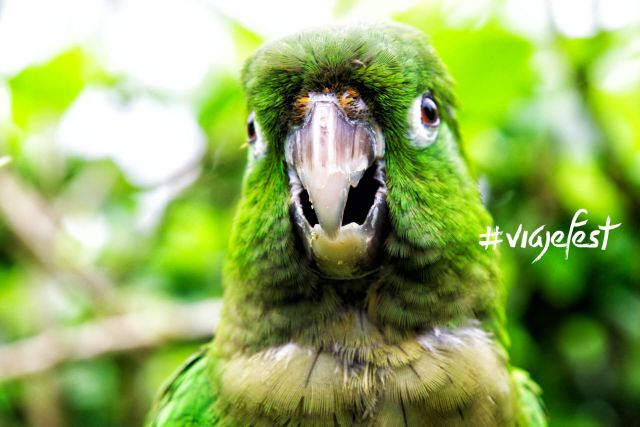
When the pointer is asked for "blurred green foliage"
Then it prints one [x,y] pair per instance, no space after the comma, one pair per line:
[547,135]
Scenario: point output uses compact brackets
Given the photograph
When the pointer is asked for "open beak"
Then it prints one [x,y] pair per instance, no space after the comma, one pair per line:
[338,191]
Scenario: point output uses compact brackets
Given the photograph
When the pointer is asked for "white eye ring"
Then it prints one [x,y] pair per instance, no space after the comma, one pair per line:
[421,135]
[255,141]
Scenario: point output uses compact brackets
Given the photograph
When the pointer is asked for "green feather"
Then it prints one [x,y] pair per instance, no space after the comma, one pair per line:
[186,399]
[531,412]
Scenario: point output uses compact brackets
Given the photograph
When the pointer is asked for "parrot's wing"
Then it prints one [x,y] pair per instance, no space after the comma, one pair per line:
[187,398]
[531,412]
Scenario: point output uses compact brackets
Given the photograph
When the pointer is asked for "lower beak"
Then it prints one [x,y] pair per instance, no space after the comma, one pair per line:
[328,158]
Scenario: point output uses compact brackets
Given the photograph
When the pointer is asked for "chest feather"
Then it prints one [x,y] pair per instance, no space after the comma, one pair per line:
[441,378]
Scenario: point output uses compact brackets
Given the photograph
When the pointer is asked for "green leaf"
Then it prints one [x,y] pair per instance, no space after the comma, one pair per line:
[40,93]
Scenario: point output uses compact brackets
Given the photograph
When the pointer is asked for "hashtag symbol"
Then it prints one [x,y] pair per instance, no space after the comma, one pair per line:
[490,238]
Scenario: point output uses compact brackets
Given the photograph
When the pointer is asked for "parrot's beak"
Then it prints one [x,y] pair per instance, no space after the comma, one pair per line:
[338,191]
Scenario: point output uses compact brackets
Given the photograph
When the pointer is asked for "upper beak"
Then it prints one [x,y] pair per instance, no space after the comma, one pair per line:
[330,153]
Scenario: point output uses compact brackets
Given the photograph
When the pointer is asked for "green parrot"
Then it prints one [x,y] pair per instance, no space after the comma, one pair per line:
[356,292]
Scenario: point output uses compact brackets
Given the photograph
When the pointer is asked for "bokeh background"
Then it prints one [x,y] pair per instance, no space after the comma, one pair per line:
[121,125]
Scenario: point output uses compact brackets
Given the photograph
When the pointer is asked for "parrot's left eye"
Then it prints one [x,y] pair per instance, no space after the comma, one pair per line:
[254,137]
[429,112]
[425,120]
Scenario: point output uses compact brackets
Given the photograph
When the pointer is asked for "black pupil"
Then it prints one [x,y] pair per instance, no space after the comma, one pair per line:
[429,111]
[251,130]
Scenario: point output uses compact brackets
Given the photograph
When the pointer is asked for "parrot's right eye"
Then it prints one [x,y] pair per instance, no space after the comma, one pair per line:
[424,118]
[251,129]
[256,143]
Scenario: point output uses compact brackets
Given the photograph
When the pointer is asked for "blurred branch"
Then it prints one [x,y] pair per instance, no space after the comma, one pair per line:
[123,333]
[34,222]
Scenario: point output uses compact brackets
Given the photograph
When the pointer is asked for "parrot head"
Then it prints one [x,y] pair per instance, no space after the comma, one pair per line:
[356,191]
[327,106]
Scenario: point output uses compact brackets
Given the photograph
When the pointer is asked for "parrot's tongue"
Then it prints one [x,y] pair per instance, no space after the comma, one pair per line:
[336,174]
